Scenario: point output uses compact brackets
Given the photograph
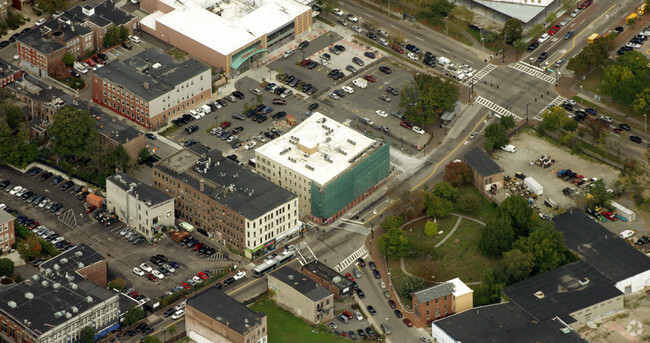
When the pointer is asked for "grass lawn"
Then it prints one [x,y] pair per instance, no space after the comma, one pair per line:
[284,327]
[486,208]
[415,231]
[177,53]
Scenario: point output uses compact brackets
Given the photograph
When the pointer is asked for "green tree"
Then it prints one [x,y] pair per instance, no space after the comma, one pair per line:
[438,9]
[426,98]
[14,116]
[52,6]
[115,35]
[437,207]
[445,190]
[410,203]
[144,155]
[515,266]
[133,315]
[72,132]
[570,125]
[6,267]
[328,5]
[520,46]
[117,284]
[171,330]
[622,84]
[642,100]
[597,129]
[547,248]
[489,292]
[394,244]
[496,137]
[430,229]
[508,122]
[392,222]
[516,208]
[468,202]
[553,118]
[411,284]
[151,339]
[68,59]
[578,64]
[458,173]
[551,18]
[497,237]
[512,30]
[87,334]
[536,30]
[599,193]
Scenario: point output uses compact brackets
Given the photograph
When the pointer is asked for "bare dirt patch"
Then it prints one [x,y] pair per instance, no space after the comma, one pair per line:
[631,325]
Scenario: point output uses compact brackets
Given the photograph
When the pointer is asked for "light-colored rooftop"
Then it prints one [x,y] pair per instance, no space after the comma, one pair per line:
[460,288]
[239,22]
[319,148]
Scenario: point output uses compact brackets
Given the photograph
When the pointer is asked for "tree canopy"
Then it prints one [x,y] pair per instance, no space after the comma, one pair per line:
[512,30]
[516,208]
[496,137]
[87,334]
[437,207]
[458,173]
[52,6]
[546,246]
[445,190]
[115,35]
[553,118]
[591,55]
[426,98]
[626,79]
[72,131]
[497,237]
[6,267]
[394,243]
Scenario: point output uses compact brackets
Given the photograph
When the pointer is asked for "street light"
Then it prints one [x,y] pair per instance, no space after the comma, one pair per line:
[446,26]
[645,120]
[483,42]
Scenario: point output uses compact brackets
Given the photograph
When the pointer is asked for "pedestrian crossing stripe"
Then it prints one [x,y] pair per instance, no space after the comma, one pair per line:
[533,72]
[499,111]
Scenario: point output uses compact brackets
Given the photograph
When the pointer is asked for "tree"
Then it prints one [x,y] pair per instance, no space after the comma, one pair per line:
[6,267]
[520,46]
[547,248]
[72,131]
[52,6]
[133,315]
[411,284]
[430,229]
[595,128]
[642,100]
[496,137]
[553,118]
[599,194]
[117,284]
[115,35]
[512,30]
[551,18]
[87,334]
[459,16]
[468,202]
[489,292]
[515,266]
[426,98]
[570,125]
[151,339]
[622,84]
[438,9]
[328,5]
[497,237]
[578,64]
[171,330]
[445,190]
[68,59]
[520,214]
[508,122]
[144,155]
[458,173]
[394,244]
[392,222]
[536,30]
[437,207]
[30,248]
[410,203]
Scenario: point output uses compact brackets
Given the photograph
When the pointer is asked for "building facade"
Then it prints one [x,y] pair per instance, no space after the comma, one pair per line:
[329,279]
[442,300]
[139,205]
[7,231]
[301,295]
[247,30]
[99,18]
[486,174]
[151,87]
[213,316]
[227,202]
[330,166]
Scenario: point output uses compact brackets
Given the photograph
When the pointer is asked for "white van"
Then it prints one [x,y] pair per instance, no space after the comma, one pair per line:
[134,39]
[509,148]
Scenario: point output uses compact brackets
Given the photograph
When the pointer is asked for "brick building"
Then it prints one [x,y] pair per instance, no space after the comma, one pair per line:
[8,73]
[99,18]
[213,316]
[486,173]
[328,278]
[442,300]
[301,295]
[226,202]
[151,87]
[7,231]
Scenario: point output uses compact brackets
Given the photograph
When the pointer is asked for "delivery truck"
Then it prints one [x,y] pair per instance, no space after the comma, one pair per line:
[534,186]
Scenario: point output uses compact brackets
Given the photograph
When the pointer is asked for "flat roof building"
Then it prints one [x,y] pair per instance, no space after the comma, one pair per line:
[151,87]
[213,316]
[331,166]
[228,203]
[247,29]
[485,172]
[328,278]
[301,295]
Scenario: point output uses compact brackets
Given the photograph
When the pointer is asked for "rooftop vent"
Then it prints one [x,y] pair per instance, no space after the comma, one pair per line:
[56,267]
[68,315]
[12,304]
[73,286]
[80,265]
[35,277]
[539,295]
[290,276]
[74,309]
[45,283]
[584,281]
[58,314]
[89,299]
[78,254]
[56,285]
[29,295]
[156,65]
[64,260]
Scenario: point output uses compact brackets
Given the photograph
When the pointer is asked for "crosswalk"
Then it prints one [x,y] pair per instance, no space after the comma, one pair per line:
[361,252]
[559,100]
[499,111]
[533,72]
[480,74]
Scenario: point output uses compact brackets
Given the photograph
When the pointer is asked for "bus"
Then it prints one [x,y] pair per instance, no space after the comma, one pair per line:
[270,265]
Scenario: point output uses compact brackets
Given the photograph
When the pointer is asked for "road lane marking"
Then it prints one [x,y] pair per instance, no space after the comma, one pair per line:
[361,252]
[500,111]
[533,72]
[480,74]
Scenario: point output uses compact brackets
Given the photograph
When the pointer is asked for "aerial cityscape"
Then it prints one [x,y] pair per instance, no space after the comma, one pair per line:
[324,171]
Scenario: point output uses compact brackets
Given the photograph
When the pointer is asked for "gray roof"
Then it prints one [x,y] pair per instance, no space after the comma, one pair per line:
[328,274]
[219,306]
[251,195]
[106,14]
[523,12]
[141,191]
[602,249]
[301,283]
[7,69]
[63,290]
[435,292]
[6,216]
[137,72]
[114,128]
[481,162]
[567,289]
[505,322]
[40,42]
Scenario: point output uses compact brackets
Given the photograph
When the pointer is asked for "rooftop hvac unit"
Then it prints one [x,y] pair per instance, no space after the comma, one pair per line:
[73,286]
[89,299]
[29,295]
[35,277]
[68,315]
[44,283]
[12,304]
[74,309]
[64,260]
[58,314]
[56,285]
[78,254]
[80,265]
[56,267]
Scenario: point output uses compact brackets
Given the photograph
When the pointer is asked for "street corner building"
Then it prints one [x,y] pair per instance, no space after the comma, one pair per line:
[330,166]
[151,87]
[303,296]
[234,34]
[213,316]
[486,173]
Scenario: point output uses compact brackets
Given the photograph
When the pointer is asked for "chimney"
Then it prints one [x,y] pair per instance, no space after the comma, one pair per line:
[201,185]
[146,85]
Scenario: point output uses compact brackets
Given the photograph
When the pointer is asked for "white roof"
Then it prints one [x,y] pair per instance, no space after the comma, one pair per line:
[460,288]
[240,23]
[336,146]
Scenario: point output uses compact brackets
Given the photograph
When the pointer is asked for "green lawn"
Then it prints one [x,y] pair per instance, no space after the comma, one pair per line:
[284,327]
[486,208]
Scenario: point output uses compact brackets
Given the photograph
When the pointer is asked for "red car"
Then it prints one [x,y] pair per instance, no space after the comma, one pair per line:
[618,130]
[406,125]
[90,62]
[347,275]
[202,275]
[347,314]
[587,3]
[134,295]
[398,48]
[554,30]
[392,304]
[408,322]
[226,124]
[305,62]
[33,225]
[198,246]
[609,215]
[152,277]
[370,78]
[186,285]
[90,208]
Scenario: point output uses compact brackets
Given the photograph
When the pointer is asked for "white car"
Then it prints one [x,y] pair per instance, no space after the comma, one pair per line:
[633,45]
[157,274]
[358,315]
[382,113]
[196,279]
[412,56]
[170,268]
[352,18]
[180,306]
[565,21]
[178,314]
[134,39]
[575,13]
[40,22]
[15,190]
[348,89]
[627,234]
[3,206]
[544,38]
[124,231]
[418,130]
[58,239]
[137,271]
[337,11]
[473,135]
[607,119]
[334,96]
[239,275]
[571,102]
[146,268]
[250,145]
[356,29]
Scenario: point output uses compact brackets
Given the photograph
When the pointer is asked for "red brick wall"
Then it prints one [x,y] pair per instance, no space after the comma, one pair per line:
[96,273]
[421,309]
[6,326]
[209,327]
[323,283]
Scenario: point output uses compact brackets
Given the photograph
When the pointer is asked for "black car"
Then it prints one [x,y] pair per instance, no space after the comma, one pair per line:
[372,36]
[619,29]
[392,90]
[239,95]
[361,262]
[372,265]
[103,56]
[4,43]
[313,107]
[542,57]
[624,127]
[127,46]
[371,310]
[360,293]
[636,139]
[46,176]
[67,185]
[228,281]
[35,171]
[340,48]
[303,45]
[370,331]
[339,92]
